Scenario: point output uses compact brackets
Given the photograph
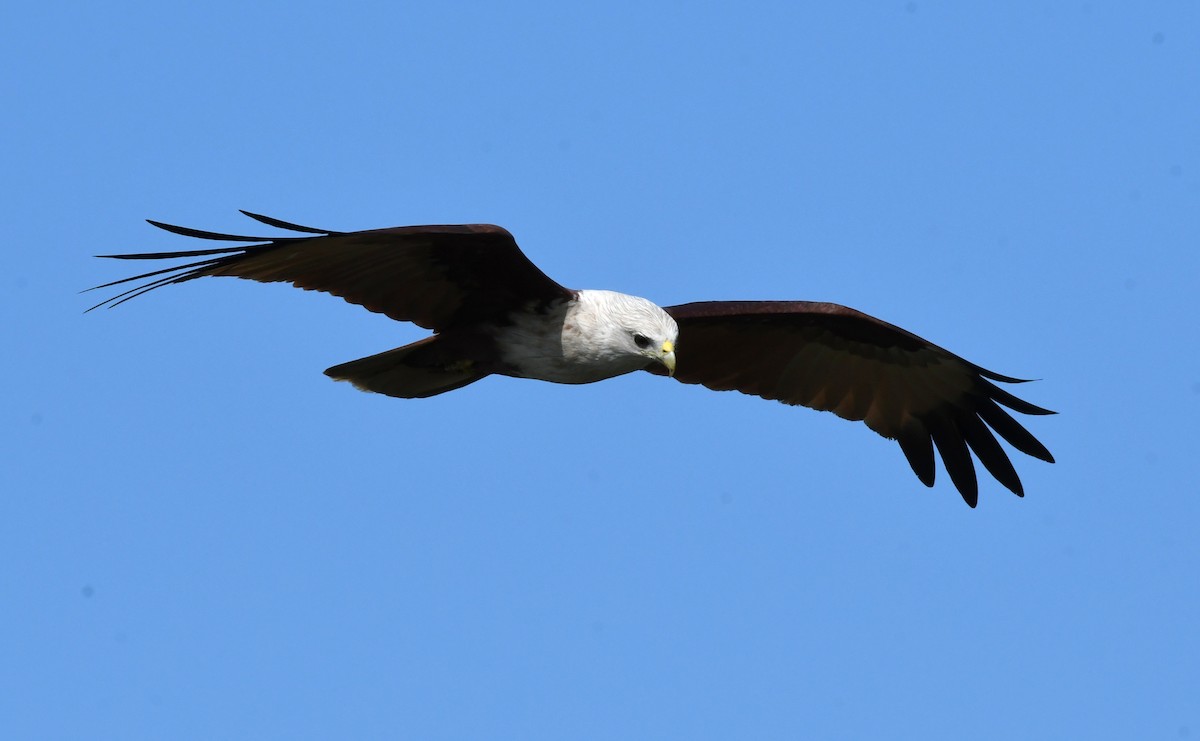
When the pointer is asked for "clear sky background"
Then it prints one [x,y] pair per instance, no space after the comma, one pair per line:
[203,537]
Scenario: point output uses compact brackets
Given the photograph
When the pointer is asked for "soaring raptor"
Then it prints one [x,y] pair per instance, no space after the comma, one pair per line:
[491,310]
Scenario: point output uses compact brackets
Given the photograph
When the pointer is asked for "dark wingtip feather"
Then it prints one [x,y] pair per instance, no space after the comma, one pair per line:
[1000,376]
[1012,402]
[918,449]
[172,255]
[956,457]
[185,231]
[983,443]
[1012,431]
[280,224]
[175,274]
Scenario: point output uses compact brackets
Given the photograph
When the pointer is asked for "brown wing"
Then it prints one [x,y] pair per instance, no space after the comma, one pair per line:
[431,275]
[836,359]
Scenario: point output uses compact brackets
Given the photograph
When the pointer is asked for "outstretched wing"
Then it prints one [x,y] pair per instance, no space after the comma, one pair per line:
[836,359]
[431,275]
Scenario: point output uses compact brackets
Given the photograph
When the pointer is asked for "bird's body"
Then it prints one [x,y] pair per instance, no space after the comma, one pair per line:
[493,312]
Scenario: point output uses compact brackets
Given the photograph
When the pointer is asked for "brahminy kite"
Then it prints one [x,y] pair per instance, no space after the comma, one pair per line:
[492,311]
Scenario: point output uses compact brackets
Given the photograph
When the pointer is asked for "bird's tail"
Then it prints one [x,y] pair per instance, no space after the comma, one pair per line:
[414,371]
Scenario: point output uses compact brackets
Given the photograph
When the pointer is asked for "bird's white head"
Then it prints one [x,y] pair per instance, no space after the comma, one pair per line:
[632,328]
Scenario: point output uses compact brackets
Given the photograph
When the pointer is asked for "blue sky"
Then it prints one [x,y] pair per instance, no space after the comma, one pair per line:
[202,537]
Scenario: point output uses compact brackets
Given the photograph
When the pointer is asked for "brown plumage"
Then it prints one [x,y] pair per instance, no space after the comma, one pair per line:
[835,359]
[494,311]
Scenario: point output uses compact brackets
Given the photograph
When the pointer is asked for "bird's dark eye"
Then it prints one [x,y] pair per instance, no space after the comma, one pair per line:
[641,341]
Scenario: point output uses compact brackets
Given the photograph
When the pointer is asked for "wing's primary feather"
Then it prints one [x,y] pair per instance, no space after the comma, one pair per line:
[281,224]
[833,358]
[434,276]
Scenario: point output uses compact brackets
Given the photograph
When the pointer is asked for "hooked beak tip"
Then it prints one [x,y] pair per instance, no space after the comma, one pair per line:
[668,357]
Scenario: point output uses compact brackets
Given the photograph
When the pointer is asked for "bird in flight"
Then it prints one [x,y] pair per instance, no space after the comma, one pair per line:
[492,311]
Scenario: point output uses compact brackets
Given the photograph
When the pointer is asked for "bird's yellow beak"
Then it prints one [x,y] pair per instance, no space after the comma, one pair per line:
[667,357]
